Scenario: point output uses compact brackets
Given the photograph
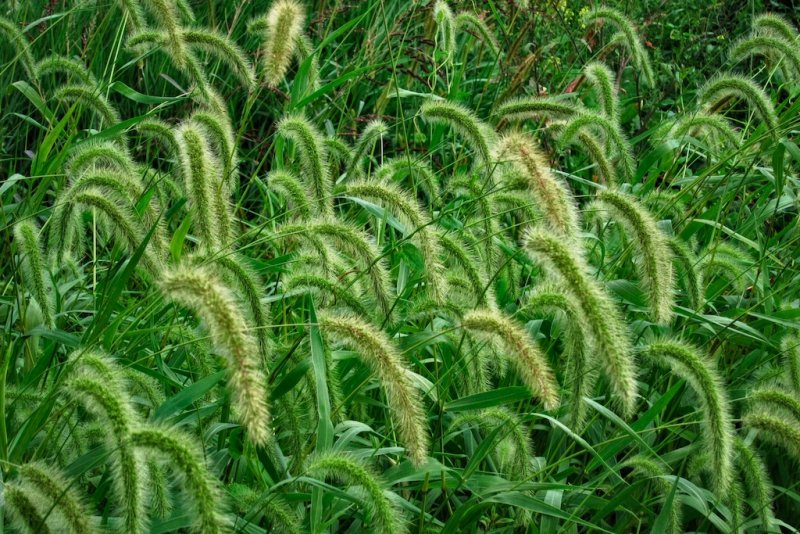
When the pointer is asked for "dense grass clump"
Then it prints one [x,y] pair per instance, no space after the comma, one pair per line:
[409,266]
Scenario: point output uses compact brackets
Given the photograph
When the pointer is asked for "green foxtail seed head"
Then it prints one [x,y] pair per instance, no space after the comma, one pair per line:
[385,516]
[530,362]
[754,475]
[775,25]
[125,222]
[341,295]
[218,127]
[157,481]
[445,29]
[357,244]
[480,211]
[204,186]
[417,224]
[112,405]
[133,11]
[477,134]
[590,121]
[189,65]
[162,132]
[164,11]
[73,68]
[466,260]
[95,363]
[295,193]
[339,154]
[515,460]
[181,454]
[419,173]
[767,45]
[251,288]
[518,204]
[654,257]
[23,509]
[718,91]
[185,10]
[609,335]
[313,156]
[281,29]
[771,400]
[225,50]
[90,98]
[701,374]
[687,263]
[381,355]
[304,51]
[372,135]
[119,191]
[708,123]
[534,108]
[725,260]
[198,289]
[553,196]
[776,428]
[104,154]
[56,489]
[34,271]
[467,20]
[628,36]
[594,147]
[580,374]
[20,45]
[601,79]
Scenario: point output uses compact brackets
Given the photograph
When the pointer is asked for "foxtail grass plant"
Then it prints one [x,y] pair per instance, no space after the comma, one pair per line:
[386,517]
[629,37]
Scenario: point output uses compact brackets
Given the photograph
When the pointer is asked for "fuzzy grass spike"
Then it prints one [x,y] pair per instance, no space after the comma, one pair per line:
[553,196]
[313,156]
[179,450]
[66,500]
[531,364]
[655,259]
[605,321]
[718,91]
[111,404]
[629,37]
[281,29]
[701,374]
[34,272]
[478,135]
[380,354]
[386,517]
[201,291]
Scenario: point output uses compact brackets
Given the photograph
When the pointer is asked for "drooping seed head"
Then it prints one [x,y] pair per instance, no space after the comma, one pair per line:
[605,321]
[380,354]
[198,289]
[701,374]
[530,362]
